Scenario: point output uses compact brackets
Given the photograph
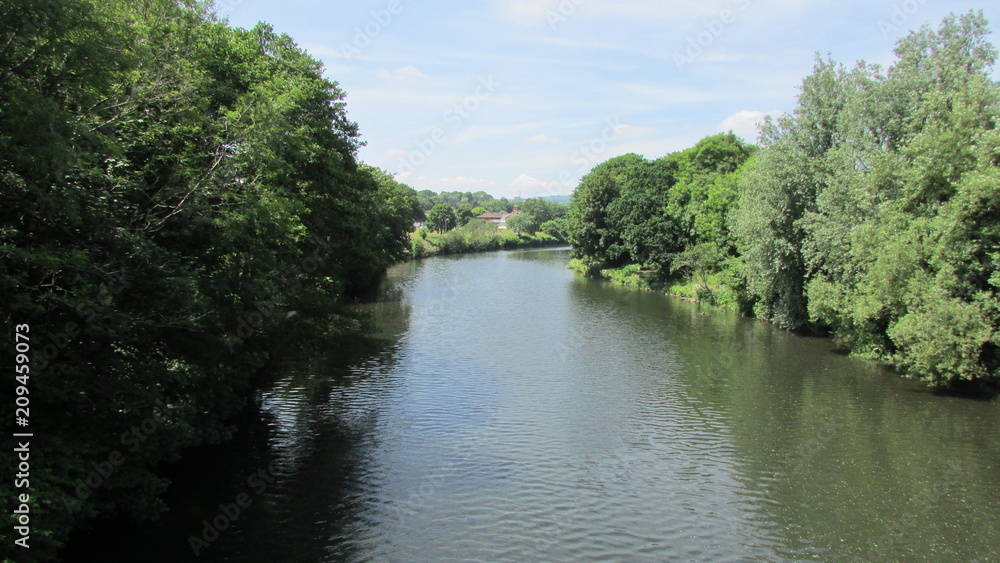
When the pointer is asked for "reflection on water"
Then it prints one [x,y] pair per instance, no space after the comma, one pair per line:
[516,411]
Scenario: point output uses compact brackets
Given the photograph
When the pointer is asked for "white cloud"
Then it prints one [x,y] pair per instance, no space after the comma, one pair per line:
[626,131]
[526,12]
[534,12]
[321,50]
[673,95]
[404,74]
[744,123]
[465,182]
[473,133]
[532,186]
[542,138]
[396,153]
[720,56]
[409,176]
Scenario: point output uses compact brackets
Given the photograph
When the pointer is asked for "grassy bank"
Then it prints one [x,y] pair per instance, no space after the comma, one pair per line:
[475,237]
[702,289]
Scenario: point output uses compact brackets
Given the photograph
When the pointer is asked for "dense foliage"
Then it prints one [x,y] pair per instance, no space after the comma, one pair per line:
[477,236]
[668,214]
[174,192]
[468,201]
[872,211]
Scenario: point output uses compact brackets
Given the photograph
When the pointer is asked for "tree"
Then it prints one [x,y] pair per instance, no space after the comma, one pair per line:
[441,218]
[779,187]
[594,239]
[464,214]
[173,189]
[542,211]
[651,211]
[555,228]
[868,211]
[522,224]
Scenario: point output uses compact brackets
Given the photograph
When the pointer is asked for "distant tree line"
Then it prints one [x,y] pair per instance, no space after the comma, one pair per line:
[464,200]
[537,223]
[451,210]
[871,212]
[174,193]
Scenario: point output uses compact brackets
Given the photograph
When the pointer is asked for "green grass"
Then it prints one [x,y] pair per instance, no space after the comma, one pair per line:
[707,289]
[475,237]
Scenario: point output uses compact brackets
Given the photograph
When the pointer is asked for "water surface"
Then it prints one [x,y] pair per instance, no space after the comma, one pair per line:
[516,411]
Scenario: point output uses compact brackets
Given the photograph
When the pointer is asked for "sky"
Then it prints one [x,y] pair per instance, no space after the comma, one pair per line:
[524,97]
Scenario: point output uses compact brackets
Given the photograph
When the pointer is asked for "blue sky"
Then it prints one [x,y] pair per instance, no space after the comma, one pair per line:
[525,96]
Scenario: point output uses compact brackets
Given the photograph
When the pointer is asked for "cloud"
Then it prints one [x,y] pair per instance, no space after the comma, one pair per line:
[534,12]
[465,182]
[408,176]
[533,186]
[625,131]
[542,138]
[674,95]
[744,123]
[405,74]
[525,12]
[320,50]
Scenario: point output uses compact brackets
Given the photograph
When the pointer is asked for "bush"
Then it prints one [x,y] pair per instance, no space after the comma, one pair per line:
[509,240]
[542,238]
[417,248]
[555,228]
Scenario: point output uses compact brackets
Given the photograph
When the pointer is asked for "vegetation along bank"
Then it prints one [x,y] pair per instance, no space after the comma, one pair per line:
[871,212]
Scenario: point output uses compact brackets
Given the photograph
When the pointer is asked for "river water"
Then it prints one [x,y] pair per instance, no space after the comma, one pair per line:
[515,411]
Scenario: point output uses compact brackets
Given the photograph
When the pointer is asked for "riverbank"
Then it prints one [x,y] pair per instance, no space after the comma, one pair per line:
[712,291]
[709,290]
[473,238]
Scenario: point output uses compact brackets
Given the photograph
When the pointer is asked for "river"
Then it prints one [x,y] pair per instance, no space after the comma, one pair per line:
[515,411]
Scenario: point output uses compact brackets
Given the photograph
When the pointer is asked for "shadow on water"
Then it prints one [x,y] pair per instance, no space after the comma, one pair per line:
[842,458]
[515,411]
[836,457]
[293,464]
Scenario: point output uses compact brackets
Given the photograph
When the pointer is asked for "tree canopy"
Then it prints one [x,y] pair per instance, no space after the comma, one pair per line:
[871,211]
[175,193]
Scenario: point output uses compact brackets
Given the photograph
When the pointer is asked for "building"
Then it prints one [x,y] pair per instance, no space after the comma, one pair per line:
[490,217]
[499,218]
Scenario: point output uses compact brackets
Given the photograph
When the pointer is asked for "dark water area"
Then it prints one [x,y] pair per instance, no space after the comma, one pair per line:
[515,411]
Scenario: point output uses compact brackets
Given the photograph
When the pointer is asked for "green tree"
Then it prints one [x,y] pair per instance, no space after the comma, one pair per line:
[441,218]
[176,190]
[594,239]
[542,211]
[522,224]
[870,207]
[779,188]
[464,214]
[555,228]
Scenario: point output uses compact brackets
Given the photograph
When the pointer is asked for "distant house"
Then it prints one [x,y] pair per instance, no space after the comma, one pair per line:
[499,218]
[490,217]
